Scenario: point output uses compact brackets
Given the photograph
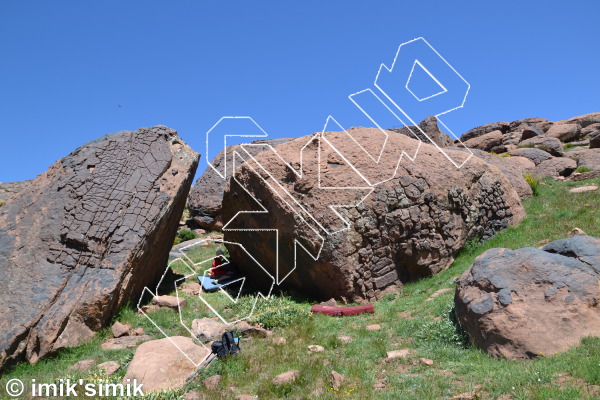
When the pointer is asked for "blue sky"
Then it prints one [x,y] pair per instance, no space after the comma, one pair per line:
[71,71]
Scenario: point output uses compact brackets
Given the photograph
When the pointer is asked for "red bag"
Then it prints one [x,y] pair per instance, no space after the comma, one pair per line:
[338,311]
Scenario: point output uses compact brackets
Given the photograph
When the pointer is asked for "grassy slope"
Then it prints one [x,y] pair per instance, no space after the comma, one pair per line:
[407,321]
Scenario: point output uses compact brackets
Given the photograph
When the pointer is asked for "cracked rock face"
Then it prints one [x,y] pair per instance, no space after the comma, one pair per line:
[87,236]
[530,302]
[408,227]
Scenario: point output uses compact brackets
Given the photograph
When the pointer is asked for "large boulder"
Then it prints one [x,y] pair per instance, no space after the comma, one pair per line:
[537,156]
[527,123]
[87,236]
[555,166]
[482,130]
[409,226]
[532,302]
[486,142]
[165,363]
[206,196]
[564,132]
[549,144]
[432,133]
[586,158]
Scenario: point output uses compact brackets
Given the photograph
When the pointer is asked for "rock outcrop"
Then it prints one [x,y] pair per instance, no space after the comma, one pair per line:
[409,226]
[532,302]
[87,236]
[206,196]
[9,189]
[430,127]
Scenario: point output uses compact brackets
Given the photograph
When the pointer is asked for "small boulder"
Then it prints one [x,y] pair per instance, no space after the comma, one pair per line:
[438,293]
[582,189]
[191,288]
[576,232]
[172,302]
[426,361]
[206,329]
[83,365]
[595,142]
[315,348]
[402,353]
[212,382]
[118,329]
[136,332]
[286,377]
[109,367]
[251,330]
[279,340]
[165,363]
[192,395]
[345,339]
[331,303]
[337,379]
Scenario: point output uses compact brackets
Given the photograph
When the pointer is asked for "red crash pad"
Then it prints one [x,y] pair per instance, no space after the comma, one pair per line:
[337,311]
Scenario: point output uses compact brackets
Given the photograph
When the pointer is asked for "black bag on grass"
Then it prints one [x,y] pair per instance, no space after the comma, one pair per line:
[228,345]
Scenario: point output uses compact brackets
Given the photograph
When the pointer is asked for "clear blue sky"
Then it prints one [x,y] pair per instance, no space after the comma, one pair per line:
[66,66]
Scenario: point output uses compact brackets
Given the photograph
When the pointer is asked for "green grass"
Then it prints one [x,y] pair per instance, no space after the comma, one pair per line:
[407,320]
[583,168]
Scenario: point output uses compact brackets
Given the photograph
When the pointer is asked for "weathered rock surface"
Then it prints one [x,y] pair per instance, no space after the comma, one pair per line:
[529,302]
[9,189]
[408,227]
[513,167]
[87,236]
[160,364]
[206,196]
